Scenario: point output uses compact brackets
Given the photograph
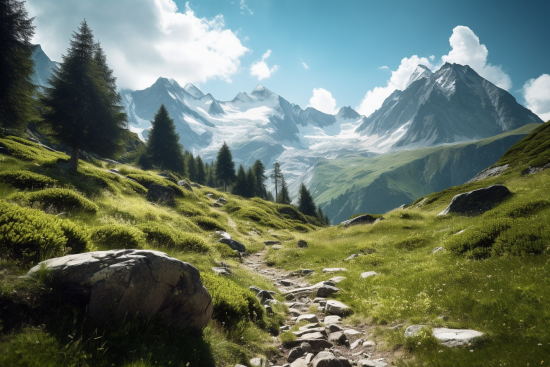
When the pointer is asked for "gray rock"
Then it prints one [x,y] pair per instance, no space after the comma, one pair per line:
[325,359]
[350,257]
[255,289]
[455,337]
[351,332]
[489,172]
[316,344]
[185,185]
[268,309]
[128,283]
[309,326]
[355,344]
[302,244]
[345,362]
[114,170]
[308,317]
[337,308]
[223,234]
[209,194]
[337,279]
[294,354]
[158,193]
[369,344]
[221,271]
[264,295]
[300,362]
[338,338]
[258,362]
[294,312]
[306,347]
[332,320]
[309,357]
[222,200]
[271,243]
[362,219]
[314,335]
[477,201]
[437,249]
[413,330]
[333,270]
[286,283]
[368,274]
[334,328]
[326,291]
[310,331]
[235,245]
[531,170]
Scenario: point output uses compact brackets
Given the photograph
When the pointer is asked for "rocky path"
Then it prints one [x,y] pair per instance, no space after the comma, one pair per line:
[325,340]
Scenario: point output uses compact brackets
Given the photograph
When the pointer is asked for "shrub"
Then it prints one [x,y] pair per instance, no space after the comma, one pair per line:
[189,210]
[207,224]
[118,237]
[61,199]
[226,251]
[148,180]
[26,180]
[233,304]
[411,243]
[517,210]
[31,235]
[162,235]
[29,151]
[521,240]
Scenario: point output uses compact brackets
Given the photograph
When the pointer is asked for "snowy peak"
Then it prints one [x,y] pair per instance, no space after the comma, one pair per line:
[242,97]
[420,72]
[194,91]
[347,113]
[261,93]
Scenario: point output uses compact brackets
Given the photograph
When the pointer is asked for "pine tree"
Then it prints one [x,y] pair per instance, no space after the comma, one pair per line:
[259,175]
[276,176]
[284,197]
[225,168]
[251,184]
[191,167]
[241,187]
[163,147]
[322,217]
[201,174]
[16,65]
[81,108]
[306,205]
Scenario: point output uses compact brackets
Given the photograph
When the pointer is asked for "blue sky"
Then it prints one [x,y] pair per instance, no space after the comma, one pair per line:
[344,44]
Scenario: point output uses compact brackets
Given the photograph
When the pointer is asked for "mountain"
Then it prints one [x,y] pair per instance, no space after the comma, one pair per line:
[43,67]
[454,104]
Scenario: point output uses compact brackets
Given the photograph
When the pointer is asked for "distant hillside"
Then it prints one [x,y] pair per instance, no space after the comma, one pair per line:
[533,150]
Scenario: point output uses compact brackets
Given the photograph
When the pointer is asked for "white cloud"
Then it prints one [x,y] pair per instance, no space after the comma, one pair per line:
[399,78]
[260,69]
[383,67]
[245,7]
[537,96]
[143,39]
[466,50]
[323,101]
[305,65]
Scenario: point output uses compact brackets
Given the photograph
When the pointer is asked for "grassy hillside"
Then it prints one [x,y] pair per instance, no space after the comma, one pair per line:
[376,184]
[493,276]
[48,211]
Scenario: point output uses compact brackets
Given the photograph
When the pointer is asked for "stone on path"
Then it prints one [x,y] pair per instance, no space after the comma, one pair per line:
[325,359]
[334,328]
[337,279]
[326,290]
[221,271]
[362,219]
[294,354]
[477,201]
[455,337]
[356,343]
[337,308]
[338,338]
[310,331]
[306,347]
[235,245]
[314,335]
[351,332]
[286,283]
[333,270]
[128,283]
[345,362]
[258,362]
[332,320]
[300,362]
[316,344]
[308,317]
[368,274]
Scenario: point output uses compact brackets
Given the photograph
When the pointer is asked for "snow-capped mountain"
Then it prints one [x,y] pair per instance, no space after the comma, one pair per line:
[452,105]
[43,67]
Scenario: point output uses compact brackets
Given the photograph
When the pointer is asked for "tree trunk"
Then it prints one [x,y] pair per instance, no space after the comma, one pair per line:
[276,194]
[74,158]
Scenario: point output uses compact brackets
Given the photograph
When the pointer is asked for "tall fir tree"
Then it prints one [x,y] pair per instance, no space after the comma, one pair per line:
[225,168]
[16,65]
[306,205]
[191,167]
[201,174]
[259,175]
[210,175]
[251,184]
[81,106]
[284,196]
[277,175]
[241,186]
[163,148]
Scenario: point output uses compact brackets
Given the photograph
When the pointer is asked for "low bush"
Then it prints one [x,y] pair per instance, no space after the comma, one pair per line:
[207,224]
[148,180]
[160,235]
[233,304]
[189,210]
[61,199]
[118,236]
[29,151]
[518,210]
[521,240]
[31,235]
[27,180]
[411,243]
[226,251]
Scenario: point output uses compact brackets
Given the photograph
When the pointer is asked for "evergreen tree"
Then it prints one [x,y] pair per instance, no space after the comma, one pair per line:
[225,168]
[284,197]
[201,174]
[241,187]
[16,65]
[251,184]
[191,167]
[277,176]
[259,177]
[81,108]
[306,205]
[163,147]
[322,217]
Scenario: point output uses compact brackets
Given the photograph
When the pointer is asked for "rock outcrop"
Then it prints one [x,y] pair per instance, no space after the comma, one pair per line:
[158,193]
[361,219]
[477,201]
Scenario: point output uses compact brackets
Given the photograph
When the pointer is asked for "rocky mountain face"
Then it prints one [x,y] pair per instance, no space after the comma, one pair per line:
[43,67]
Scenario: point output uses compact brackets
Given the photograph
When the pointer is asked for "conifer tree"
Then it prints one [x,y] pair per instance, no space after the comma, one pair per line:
[241,187]
[276,176]
[201,174]
[306,205]
[322,217]
[16,65]
[191,167]
[284,197]
[163,147]
[225,168]
[259,177]
[210,175]
[81,108]
[251,184]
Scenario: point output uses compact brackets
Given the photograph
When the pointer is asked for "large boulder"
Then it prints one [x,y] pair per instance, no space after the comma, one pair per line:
[185,185]
[129,283]
[361,219]
[325,359]
[160,193]
[477,201]
[235,245]
[448,337]
[337,308]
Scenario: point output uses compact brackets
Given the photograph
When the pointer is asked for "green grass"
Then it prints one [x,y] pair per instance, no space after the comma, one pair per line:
[534,150]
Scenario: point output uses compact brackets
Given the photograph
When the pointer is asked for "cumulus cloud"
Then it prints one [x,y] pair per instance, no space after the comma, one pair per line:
[305,65]
[143,39]
[260,69]
[467,50]
[399,78]
[537,96]
[323,101]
